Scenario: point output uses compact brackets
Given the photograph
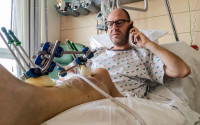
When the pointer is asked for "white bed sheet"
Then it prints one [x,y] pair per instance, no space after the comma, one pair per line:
[105,112]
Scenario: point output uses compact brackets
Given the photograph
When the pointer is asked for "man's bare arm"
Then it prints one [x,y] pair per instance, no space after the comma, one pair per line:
[174,66]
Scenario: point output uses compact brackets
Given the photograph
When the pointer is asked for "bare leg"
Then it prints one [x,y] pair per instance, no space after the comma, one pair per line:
[22,103]
[102,75]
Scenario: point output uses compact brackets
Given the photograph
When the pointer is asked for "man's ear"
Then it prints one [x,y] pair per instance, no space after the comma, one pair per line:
[131,22]
[130,25]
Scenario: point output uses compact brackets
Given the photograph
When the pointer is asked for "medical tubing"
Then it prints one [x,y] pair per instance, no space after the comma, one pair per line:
[142,122]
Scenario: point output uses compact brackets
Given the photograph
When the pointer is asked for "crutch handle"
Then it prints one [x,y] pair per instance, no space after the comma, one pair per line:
[17,42]
[10,40]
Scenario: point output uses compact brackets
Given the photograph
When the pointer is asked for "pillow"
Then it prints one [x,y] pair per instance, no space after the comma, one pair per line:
[103,40]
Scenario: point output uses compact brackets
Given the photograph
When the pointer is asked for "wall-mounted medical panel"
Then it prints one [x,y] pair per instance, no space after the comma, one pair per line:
[156,18]
[90,5]
[84,7]
[76,7]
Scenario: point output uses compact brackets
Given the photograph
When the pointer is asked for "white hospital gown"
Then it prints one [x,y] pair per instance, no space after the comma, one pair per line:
[131,70]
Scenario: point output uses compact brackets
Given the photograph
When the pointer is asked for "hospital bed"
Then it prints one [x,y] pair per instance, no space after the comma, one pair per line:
[176,102]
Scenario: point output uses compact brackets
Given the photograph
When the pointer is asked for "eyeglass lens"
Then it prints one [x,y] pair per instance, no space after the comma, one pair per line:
[119,23]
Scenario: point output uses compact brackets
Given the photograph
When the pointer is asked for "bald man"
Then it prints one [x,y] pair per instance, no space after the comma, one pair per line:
[134,67]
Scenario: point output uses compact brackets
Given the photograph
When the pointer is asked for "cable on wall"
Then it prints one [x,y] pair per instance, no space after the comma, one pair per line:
[194,21]
[189,9]
[46,19]
[192,39]
[171,19]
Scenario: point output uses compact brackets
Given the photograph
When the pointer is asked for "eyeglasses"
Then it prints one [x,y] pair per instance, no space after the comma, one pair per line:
[119,23]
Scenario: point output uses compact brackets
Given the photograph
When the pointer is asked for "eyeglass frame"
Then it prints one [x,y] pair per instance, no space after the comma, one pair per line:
[116,22]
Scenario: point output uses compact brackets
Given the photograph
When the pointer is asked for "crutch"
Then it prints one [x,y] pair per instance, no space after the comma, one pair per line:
[11,41]
[18,43]
[12,53]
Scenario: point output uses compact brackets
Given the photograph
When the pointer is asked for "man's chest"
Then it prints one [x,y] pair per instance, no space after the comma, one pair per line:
[125,63]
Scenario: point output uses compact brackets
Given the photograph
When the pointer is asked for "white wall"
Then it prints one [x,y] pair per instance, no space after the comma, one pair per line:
[53,21]
[78,29]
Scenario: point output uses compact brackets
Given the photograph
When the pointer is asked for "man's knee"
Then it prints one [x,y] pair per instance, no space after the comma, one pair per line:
[101,71]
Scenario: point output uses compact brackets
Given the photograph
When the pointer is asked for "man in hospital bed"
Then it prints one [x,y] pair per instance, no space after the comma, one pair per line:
[133,67]
[22,103]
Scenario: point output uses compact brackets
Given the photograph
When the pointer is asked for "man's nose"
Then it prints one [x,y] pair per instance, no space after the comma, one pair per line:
[115,26]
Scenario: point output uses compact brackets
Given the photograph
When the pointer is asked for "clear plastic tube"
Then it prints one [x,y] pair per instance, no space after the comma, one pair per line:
[142,122]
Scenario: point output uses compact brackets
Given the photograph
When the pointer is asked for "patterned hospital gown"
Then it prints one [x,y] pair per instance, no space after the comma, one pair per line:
[131,70]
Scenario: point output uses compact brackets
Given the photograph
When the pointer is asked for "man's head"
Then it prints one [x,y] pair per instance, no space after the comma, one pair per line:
[119,24]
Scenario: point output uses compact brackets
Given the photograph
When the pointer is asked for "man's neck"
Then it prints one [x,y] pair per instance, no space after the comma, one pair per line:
[121,47]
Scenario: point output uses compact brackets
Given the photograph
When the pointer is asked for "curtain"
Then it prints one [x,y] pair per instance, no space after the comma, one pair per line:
[20,25]
[28,25]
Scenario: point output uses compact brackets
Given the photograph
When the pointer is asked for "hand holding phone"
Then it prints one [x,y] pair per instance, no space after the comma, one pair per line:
[130,31]
[138,38]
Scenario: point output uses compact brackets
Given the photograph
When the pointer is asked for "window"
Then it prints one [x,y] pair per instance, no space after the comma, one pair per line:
[6,58]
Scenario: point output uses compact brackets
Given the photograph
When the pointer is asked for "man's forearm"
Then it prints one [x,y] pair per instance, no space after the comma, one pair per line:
[174,66]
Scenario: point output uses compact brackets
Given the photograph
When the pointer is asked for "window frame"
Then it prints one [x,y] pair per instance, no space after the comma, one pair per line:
[5,53]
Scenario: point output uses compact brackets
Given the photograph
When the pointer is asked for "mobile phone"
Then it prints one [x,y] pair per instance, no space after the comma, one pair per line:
[131,41]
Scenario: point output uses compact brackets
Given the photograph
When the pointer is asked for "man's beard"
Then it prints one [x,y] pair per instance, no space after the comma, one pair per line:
[120,41]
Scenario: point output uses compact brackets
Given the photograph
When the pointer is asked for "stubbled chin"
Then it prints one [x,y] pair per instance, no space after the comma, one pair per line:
[116,37]
[116,41]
